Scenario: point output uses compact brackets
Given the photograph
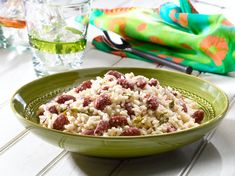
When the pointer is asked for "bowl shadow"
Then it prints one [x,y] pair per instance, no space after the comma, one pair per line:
[169,163]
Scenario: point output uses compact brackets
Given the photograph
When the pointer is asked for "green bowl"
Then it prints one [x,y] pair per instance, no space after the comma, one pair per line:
[28,98]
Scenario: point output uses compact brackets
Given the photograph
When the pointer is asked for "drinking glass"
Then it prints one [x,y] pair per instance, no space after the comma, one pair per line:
[12,24]
[57,33]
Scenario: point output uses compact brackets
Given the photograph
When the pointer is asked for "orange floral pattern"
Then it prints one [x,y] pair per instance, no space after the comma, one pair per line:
[220,45]
[186,46]
[226,23]
[172,15]
[141,27]
[116,11]
[157,40]
[177,59]
[183,18]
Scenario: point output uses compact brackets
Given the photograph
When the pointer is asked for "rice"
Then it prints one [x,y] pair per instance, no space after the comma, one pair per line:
[120,105]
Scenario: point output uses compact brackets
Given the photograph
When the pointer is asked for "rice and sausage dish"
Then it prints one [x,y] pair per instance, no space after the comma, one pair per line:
[120,105]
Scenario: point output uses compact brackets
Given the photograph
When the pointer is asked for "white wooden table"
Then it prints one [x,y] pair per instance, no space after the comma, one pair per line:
[23,153]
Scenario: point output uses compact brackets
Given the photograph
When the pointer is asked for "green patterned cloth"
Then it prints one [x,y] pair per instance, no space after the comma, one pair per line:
[180,34]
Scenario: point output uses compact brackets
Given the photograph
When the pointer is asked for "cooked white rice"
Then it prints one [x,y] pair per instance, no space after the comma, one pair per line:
[144,107]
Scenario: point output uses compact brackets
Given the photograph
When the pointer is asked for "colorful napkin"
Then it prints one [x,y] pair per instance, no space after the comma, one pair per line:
[180,34]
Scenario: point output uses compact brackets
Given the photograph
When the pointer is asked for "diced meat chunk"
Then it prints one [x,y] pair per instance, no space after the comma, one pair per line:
[129,107]
[53,110]
[184,107]
[118,120]
[152,103]
[101,127]
[85,85]
[171,128]
[63,98]
[102,89]
[114,73]
[88,132]
[60,121]
[198,115]
[131,131]
[141,82]
[153,82]
[102,101]
[125,83]
[86,101]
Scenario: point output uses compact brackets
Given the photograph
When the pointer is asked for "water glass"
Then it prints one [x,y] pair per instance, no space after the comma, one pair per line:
[12,25]
[57,33]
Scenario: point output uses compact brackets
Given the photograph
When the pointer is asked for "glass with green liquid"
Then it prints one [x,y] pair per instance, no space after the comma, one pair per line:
[57,33]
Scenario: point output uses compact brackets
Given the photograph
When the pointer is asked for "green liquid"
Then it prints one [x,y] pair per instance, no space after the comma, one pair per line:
[58,47]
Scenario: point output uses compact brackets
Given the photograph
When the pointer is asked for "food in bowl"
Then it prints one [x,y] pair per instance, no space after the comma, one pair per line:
[120,104]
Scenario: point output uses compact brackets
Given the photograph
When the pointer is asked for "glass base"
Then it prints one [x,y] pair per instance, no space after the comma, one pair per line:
[3,40]
[47,64]
[13,38]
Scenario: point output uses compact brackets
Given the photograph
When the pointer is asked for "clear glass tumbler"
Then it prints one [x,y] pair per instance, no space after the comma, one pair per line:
[57,33]
[13,32]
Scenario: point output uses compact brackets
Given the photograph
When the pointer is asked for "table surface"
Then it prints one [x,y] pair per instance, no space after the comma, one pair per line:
[23,153]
